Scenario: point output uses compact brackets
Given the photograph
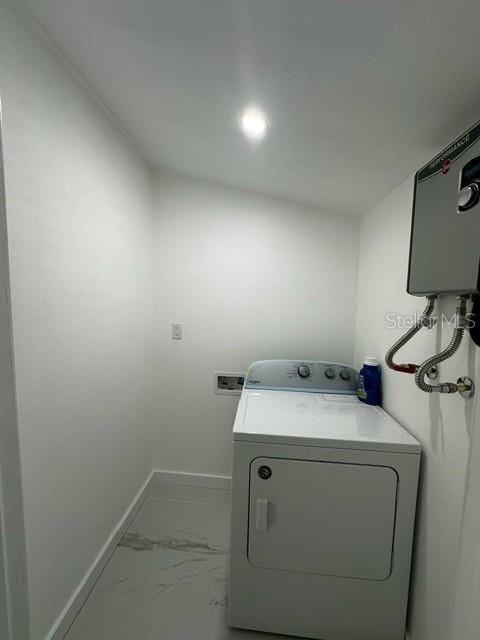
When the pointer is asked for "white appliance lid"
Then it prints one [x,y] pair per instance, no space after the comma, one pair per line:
[319,420]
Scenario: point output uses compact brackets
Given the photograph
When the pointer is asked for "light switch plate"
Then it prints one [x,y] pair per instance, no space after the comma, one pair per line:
[177,331]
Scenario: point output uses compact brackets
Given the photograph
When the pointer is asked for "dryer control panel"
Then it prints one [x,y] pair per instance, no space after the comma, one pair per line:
[317,376]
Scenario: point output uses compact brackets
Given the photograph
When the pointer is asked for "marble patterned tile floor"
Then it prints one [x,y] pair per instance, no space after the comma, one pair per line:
[167,579]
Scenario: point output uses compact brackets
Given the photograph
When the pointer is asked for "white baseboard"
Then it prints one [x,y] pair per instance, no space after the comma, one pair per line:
[73,606]
[160,476]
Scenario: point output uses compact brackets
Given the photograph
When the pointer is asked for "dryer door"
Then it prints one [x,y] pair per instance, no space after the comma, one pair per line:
[321,517]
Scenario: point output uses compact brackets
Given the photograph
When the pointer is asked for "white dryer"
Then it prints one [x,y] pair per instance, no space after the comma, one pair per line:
[323,507]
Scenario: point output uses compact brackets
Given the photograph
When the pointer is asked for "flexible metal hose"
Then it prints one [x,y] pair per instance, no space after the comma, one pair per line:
[423,321]
[448,352]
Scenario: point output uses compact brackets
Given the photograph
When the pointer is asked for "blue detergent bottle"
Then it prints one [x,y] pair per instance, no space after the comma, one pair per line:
[370,382]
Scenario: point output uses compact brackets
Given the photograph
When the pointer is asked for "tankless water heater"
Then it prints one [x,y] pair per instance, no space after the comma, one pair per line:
[445,236]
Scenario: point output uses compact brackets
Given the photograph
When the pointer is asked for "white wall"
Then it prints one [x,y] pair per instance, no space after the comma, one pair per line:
[466,617]
[79,220]
[250,277]
[443,424]
[14,620]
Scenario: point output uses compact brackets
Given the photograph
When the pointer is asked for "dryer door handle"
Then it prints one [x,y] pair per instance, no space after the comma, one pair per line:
[261,515]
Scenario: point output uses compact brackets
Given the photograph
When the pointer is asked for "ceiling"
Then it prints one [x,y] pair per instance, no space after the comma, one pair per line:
[359,94]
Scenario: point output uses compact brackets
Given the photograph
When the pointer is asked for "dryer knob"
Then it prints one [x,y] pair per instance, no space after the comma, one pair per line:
[303,371]
[345,374]
[330,373]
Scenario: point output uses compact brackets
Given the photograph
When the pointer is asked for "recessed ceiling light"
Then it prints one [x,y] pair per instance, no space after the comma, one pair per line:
[254,123]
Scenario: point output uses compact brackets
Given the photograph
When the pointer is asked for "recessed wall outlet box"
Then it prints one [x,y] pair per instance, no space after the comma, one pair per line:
[228,383]
[177,331]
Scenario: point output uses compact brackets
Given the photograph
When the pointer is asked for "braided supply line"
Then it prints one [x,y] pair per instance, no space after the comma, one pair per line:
[423,321]
[448,352]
